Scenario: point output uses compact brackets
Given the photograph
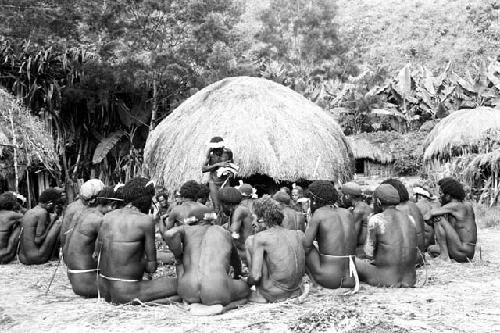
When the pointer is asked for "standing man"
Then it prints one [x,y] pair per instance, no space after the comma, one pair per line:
[10,227]
[218,156]
[243,220]
[127,250]
[39,238]
[276,256]
[391,245]
[205,254]
[332,263]
[455,223]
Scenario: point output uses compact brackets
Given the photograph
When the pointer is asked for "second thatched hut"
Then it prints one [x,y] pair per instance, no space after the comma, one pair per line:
[271,130]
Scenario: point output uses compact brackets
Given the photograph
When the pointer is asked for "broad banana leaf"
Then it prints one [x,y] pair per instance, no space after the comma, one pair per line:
[105,146]
[404,81]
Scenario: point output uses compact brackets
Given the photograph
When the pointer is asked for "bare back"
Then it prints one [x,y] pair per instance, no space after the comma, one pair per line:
[9,220]
[126,237]
[293,220]
[180,212]
[68,222]
[463,220]
[414,213]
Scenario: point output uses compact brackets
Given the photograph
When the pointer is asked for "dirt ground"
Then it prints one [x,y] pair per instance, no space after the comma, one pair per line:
[455,298]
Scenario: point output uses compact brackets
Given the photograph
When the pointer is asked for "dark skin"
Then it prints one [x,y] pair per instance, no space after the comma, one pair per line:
[455,228]
[426,205]
[413,211]
[216,158]
[80,249]
[40,235]
[73,209]
[390,249]
[361,212]
[179,213]
[293,220]
[10,229]
[334,230]
[207,253]
[277,263]
[127,252]
[242,225]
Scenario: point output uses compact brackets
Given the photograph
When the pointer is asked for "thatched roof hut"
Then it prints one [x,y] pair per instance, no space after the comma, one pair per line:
[460,132]
[271,130]
[35,145]
[362,148]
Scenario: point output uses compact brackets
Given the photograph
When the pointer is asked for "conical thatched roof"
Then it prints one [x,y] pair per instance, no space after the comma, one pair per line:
[271,130]
[460,132]
[362,148]
[35,145]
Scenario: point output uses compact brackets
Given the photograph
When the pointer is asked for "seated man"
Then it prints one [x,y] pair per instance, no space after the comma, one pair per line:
[39,237]
[352,198]
[10,227]
[276,256]
[455,223]
[293,220]
[88,191]
[81,245]
[425,202]
[242,220]
[391,246]
[127,250]
[332,265]
[188,196]
[205,253]
[410,208]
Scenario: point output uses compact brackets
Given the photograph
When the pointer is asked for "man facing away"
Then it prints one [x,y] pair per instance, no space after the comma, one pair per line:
[204,254]
[40,234]
[242,220]
[292,220]
[391,245]
[455,223]
[331,264]
[80,249]
[88,191]
[275,255]
[127,250]
[10,227]
[218,156]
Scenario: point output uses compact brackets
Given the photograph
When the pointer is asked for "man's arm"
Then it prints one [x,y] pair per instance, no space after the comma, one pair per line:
[235,261]
[169,221]
[237,220]
[149,244]
[311,232]
[371,239]
[257,259]
[450,208]
[174,239]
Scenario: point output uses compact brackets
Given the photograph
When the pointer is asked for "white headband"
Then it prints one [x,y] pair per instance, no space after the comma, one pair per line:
[216,145]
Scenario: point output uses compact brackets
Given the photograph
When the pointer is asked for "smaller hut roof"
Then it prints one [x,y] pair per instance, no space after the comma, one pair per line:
[35,144]
[460,132]
[363,148]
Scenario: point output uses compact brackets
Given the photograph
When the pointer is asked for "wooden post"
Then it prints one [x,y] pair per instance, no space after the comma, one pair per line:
[28,185]
[14,144]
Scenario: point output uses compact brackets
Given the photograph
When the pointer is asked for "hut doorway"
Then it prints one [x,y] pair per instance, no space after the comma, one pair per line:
[359,166]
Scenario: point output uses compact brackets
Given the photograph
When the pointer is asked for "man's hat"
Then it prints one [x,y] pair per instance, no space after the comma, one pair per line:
[387,194]
[282,197]
[230,195]
[90,188]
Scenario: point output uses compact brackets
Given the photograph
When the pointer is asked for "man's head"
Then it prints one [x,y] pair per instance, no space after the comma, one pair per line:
[269,210]
[189,190]
[201,214]
[229,198]
[282,198]
[450,189]
[162,198]
[49,199]
[286,190]
[203,194]
[297,192]
[404,196]
[216,145]
[8,201]
[385,195]
[139,192]
[246,191]
[105,200]
[119,195]
[89,190]
[322,193]
[351,192]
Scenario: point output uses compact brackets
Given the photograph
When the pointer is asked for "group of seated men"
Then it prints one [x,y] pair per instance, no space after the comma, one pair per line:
[108,239]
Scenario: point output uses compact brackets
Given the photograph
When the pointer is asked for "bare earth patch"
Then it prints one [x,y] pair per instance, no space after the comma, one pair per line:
[455,298]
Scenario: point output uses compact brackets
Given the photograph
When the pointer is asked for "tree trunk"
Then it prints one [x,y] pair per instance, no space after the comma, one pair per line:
[154,107]
[14,144]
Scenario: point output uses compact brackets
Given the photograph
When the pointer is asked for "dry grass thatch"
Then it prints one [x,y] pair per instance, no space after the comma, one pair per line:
[271,130]
[460,132]
[34,142]
[362,148]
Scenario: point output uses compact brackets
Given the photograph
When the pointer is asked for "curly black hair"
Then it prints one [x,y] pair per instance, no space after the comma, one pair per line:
[50,195]
[8,201]
[204,192]
[452,187]
[404,196]
[323,192]
[136,193]
[190,190]
[269,210]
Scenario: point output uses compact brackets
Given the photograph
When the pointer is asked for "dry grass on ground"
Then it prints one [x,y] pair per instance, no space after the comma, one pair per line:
[455,298]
